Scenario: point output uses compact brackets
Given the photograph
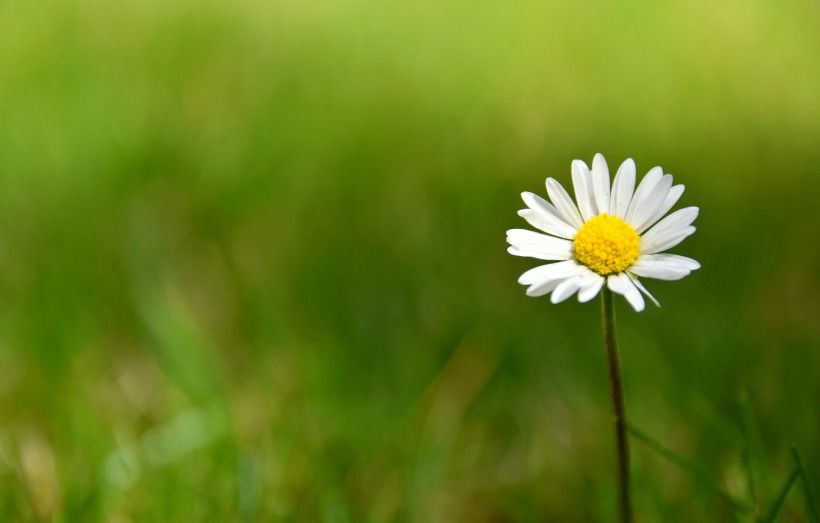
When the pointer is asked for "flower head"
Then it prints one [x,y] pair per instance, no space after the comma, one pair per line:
[614,235]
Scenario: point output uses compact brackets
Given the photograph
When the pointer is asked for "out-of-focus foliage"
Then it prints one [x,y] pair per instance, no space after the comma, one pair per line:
[252,258]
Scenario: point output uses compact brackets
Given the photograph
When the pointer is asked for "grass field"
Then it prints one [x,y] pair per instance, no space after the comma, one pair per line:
[252,260]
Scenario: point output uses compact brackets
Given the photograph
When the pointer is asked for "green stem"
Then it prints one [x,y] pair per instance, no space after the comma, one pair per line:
[617,396]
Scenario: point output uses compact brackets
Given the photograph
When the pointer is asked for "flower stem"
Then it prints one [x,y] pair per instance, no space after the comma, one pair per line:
[617,396]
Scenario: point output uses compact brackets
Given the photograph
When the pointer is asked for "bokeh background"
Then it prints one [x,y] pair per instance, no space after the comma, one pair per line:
[252,259]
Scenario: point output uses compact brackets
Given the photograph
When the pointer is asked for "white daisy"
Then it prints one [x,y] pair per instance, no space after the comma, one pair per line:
[614,235]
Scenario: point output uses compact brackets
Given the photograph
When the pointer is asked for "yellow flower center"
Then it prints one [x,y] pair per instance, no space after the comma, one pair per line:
[606,244]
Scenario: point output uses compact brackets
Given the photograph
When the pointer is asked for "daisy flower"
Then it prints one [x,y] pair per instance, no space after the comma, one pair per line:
[615,235]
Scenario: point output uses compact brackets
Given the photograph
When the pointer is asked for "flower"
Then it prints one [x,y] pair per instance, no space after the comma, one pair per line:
[614,235]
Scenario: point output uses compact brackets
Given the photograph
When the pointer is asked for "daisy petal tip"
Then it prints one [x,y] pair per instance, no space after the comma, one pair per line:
[653,300]
[600,166]
[629,166]
[585,297]
[636,301]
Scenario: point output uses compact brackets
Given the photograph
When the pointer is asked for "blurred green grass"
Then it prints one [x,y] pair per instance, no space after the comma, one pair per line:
[252,260]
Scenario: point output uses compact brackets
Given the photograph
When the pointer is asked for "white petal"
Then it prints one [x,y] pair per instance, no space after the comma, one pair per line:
[671,199]
[621,284]
[641,288]
[567,209]
[547,223]
[539,254]
[524,237]
[542,288]
[590,285]
[673,260]
[536,245]
[622,188]
[535,274]
[664,266]
[652,202]
[658,272]
[548,285]
[535,202]
[551,279]
[582,181]
[677,220]
[565,289]
[667,241]
[600,183]
[647,184]
[549,271]
[670,227]
[544,216]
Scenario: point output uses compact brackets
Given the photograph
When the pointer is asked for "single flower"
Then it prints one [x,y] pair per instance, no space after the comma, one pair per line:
[615,235]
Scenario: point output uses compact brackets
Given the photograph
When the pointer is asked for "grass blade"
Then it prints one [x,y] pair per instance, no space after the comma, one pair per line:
[810,506]
[782,497]
[701,476]
[758,479]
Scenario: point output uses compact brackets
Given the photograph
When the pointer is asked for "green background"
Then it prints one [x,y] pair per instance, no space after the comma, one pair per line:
[252,259]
